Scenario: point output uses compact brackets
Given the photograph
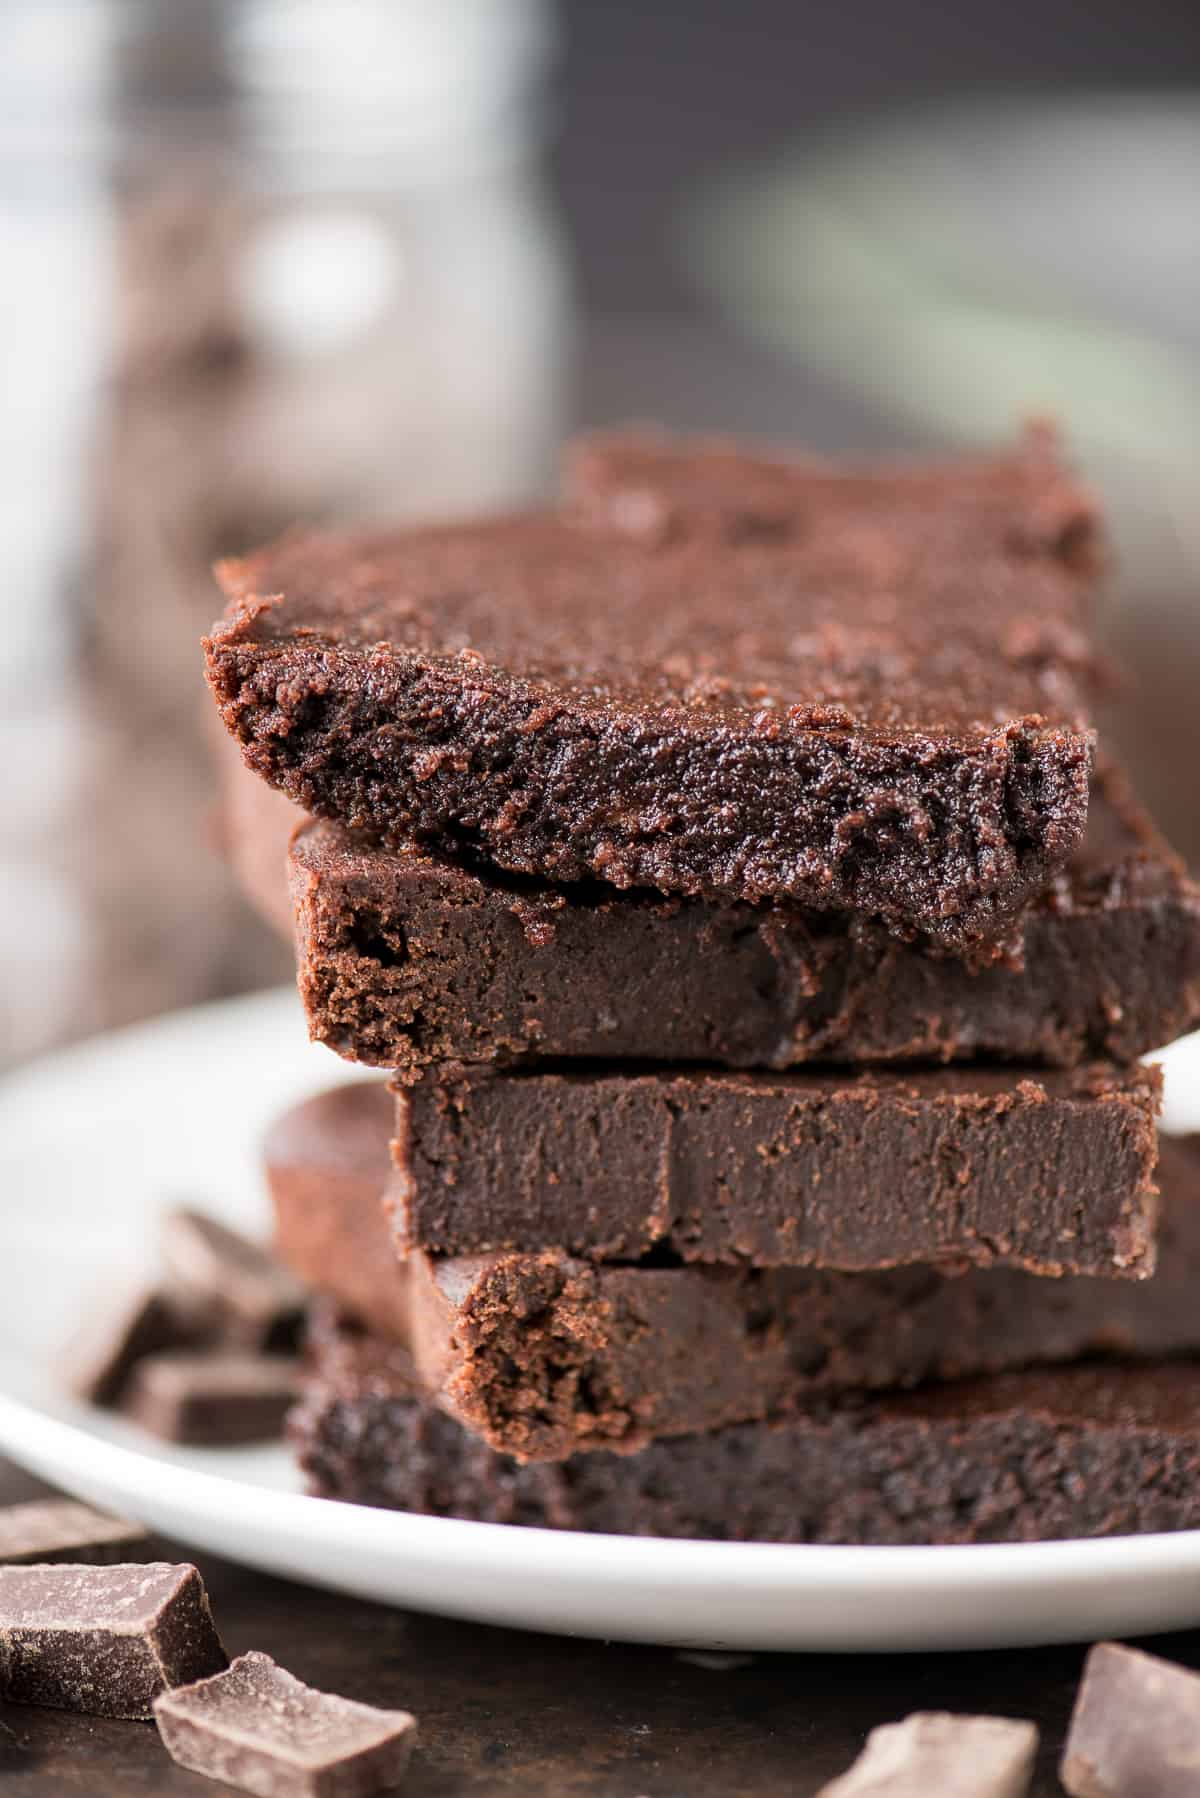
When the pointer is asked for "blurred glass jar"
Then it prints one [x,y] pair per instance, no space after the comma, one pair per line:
[274,260]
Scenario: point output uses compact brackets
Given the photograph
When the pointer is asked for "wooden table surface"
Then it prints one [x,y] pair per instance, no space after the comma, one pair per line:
[505,1712]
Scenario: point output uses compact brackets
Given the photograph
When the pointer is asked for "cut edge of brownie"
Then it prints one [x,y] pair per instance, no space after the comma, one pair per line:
[1051,1171]
[408,958]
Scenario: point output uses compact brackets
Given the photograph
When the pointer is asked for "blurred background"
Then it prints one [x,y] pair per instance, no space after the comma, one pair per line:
[275,259]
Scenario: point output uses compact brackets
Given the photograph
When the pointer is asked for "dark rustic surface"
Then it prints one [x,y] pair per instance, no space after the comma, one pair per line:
[503,1712]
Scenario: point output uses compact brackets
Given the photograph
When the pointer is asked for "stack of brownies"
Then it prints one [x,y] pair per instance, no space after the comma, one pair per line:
[710,861]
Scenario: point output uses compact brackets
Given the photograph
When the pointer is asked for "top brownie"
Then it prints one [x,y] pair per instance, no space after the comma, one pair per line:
[712,673]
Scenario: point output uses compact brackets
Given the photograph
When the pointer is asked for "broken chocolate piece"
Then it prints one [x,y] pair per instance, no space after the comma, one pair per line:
[250,1297]
[257,1727]
[212,1400]
[221,1293]
[1052,1172]
[105,1640]
[878,708]
[934,1752]
[59,1529]
[122,1328]
[1135,1729]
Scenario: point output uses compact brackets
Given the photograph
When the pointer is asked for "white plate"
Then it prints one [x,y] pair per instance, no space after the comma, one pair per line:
[94,1141]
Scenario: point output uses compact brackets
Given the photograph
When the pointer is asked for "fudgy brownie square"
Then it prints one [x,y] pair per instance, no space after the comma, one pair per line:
[866,695]
[1052,1172]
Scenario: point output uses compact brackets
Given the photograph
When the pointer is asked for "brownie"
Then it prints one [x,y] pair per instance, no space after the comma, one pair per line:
[541,1354]
[654,484]
[875,704]
[327,1162]
[1080,1451]
[406,958]
[253,826]
[1051,1172]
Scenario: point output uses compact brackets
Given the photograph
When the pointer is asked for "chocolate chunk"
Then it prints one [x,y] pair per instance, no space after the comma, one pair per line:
[122,1328]
[1080,1451]
[106,1640]
[212,1400]
[258,1728]
[1049,1172]
[543,1353]
[1135,1731]
[59,1529]
[221,1292]
[878,708]
[250,1297]
[408,958]
[934,1752]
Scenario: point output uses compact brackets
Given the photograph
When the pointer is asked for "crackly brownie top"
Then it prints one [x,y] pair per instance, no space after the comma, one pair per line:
[940,603]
